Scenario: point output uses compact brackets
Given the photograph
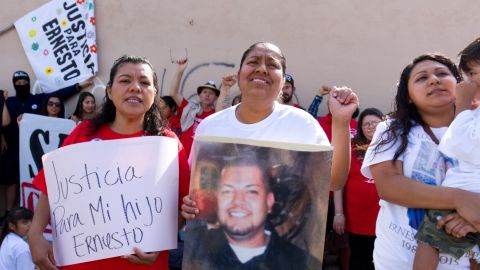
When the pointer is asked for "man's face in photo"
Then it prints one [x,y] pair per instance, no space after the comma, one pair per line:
[243,202]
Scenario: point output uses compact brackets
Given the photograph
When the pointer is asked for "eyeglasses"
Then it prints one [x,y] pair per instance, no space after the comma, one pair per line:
[371,124]
[54,104]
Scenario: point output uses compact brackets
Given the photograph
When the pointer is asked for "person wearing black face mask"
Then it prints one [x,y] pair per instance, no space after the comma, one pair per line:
[21,83]
[24,102]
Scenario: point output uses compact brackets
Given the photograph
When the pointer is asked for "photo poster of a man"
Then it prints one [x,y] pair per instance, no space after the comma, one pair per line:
[263,205]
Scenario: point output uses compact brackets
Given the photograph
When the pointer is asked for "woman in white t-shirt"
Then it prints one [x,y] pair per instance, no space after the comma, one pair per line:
[259,116]
[261,77]
[407,167]
[459,145]
[14,251]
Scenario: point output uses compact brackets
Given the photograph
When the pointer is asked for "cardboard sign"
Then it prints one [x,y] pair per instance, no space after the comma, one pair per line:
[263,205]
[38,135]
[107,197]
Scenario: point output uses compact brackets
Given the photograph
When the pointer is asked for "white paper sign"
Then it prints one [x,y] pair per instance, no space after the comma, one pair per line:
[59,39]
[38,135]
[107,197]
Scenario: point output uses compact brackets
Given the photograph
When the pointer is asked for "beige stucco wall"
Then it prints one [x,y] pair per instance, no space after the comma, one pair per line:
[361,44]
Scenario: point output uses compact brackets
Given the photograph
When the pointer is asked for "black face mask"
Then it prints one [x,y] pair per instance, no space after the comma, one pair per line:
[22,91]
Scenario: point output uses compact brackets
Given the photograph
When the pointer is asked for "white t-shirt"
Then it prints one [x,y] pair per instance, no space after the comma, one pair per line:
[461,143]
[245,254]
[15,254]
[284,124]
[395,244]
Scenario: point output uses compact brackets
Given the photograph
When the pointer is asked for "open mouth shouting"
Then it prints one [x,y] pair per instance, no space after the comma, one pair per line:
[134,100]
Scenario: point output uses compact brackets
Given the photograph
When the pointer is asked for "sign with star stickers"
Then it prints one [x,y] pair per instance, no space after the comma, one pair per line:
[60,39]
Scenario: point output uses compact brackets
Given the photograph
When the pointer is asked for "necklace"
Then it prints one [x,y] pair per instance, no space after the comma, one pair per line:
[429,131]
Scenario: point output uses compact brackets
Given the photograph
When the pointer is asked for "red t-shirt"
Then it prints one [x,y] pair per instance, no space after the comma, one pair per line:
[361,200]
[174,123]
[326,123]
[80,134]
[187,135]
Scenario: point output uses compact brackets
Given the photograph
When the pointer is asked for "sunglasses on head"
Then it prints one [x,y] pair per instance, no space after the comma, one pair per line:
[54,104]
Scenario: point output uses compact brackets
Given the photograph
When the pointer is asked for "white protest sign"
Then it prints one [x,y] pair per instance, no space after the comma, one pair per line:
[107,197]
[38,135]
[59,39]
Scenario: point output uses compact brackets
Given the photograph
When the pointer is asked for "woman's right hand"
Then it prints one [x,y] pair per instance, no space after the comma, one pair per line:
[189,211]
[181,64]
[42,252]
[324,90]
[455,225]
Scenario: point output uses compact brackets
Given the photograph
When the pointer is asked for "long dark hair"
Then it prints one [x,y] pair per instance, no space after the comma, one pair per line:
[13,217]
[61,114]
[170,102]
[405,115]
[79,109]
[361,142]
[152,122]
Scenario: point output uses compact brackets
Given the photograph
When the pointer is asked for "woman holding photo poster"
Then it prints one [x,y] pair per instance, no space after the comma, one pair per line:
[129,110]
[260,78]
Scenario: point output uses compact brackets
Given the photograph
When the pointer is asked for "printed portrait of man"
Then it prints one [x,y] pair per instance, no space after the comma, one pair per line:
[240,238]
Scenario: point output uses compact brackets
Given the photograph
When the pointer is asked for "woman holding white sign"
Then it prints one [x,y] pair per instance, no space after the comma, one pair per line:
[54,107]
[129,110]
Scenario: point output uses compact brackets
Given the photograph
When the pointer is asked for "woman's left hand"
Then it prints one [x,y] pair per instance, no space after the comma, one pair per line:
[455,225]
[228,81]
[339,223]
[342,102]
[141,257]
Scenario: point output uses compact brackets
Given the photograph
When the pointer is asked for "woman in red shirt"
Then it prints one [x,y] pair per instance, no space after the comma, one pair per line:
[130,110]
[361,197]
[171,114]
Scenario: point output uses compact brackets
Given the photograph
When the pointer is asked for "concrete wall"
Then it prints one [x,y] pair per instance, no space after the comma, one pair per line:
[361,44]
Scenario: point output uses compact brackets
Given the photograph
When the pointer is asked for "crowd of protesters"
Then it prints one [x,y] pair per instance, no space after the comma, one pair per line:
[379,196]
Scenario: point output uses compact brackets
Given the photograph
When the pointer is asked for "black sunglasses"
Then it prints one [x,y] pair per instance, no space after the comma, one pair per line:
[54,104]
